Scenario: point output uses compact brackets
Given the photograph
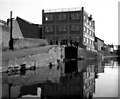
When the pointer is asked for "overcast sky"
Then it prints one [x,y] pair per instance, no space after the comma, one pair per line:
[104,12]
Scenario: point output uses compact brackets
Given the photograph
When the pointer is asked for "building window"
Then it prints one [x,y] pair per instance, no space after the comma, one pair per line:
[84,75]
[85,18]
[77,38]
[88,31]
[91,23]
[75,16]
[48,17]
[91,33]
[49,29]
[72,27]
[75,27]
[85,39]
[62,17]
[62,28]
[85,28]
[90,42]
[84,87]
[88,21]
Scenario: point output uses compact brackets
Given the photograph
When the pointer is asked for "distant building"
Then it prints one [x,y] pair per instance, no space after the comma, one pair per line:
[99,44]
[4,33]
[69,24]
[107,48]
[111,48]
[2,22]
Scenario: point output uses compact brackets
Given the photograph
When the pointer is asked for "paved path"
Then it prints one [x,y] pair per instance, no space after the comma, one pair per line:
[24,52]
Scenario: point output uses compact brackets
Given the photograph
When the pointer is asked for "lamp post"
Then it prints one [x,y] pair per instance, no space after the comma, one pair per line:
[11,38]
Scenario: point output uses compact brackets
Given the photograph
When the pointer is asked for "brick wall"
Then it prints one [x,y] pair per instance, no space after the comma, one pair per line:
[29,30]
[65,25]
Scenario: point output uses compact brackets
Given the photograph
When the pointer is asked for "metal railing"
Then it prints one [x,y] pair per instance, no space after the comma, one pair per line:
[62,10]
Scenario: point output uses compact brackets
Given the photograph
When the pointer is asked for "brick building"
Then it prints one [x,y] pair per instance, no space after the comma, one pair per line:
[99,44]
[69,24]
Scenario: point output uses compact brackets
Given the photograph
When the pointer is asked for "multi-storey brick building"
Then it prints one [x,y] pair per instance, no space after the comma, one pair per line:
[69,24]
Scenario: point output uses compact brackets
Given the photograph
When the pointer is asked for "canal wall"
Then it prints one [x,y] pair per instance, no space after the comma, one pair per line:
[85,54]
[41,56]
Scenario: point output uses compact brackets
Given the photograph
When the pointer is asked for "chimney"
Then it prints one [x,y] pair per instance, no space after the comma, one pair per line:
[82,8]
[90,18]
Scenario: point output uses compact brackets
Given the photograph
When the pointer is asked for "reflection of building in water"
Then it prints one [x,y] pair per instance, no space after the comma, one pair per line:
[13,92]
[72,85]
[109,62]
[99,68]
[71,66]
[89,81]
[118,60]
[30,91]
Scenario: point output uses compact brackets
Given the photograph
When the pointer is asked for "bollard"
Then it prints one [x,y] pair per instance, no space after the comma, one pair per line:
[50,65]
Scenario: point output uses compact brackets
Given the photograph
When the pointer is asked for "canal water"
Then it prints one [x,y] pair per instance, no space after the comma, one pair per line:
[83,79]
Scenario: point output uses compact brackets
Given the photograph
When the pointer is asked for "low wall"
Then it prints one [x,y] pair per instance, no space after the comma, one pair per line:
[88,54]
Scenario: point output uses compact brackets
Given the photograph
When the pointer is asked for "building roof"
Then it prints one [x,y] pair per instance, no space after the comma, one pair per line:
[27,21]
[99,39]
[62,10]
[66,10]
[2,22]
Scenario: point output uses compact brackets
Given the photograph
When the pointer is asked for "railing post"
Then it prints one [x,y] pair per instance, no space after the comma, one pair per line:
[11,38]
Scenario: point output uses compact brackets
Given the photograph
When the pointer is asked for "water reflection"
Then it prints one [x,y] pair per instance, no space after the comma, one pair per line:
[72,79]
[107,82]
[30,90]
